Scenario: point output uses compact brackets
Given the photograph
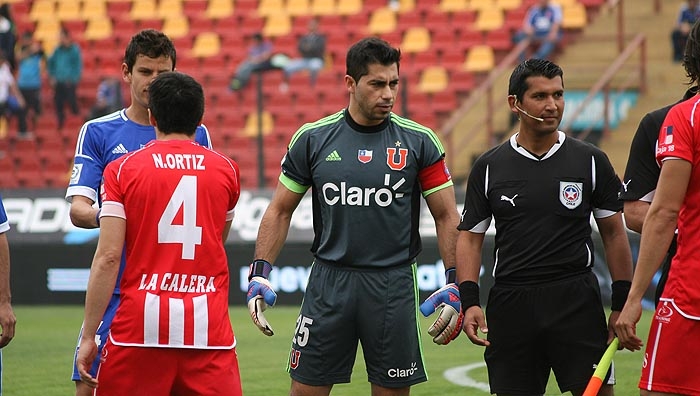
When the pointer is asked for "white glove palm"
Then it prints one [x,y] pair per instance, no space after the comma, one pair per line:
[260,296]
[448,325]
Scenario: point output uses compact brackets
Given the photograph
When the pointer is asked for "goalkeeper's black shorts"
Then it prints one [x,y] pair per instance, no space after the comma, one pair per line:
[558,326]
[375,307]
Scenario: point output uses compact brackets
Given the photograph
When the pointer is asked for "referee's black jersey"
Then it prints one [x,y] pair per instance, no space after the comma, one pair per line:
[542,207]
[366,186]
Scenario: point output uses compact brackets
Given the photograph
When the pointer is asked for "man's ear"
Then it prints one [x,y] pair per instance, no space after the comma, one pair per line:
[151,118]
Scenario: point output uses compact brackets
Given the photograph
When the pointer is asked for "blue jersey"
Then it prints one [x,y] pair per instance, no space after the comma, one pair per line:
[103,140]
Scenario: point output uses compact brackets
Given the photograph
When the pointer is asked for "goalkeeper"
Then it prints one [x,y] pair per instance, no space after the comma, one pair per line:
[367,169]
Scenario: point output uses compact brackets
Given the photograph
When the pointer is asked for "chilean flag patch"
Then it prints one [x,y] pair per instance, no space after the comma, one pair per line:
[364,156]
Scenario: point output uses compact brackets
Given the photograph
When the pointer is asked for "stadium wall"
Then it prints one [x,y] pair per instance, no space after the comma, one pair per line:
[51,258]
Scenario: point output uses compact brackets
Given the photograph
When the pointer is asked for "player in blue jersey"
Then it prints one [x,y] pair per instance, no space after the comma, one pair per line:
[7,316]
[107,138]
[367,169]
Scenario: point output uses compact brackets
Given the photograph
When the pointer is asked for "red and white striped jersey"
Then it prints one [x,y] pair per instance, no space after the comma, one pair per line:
[176,197]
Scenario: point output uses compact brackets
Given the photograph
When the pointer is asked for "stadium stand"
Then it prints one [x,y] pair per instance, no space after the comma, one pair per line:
[447,45]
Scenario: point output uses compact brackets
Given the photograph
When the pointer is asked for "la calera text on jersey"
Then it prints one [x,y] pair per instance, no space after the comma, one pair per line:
[179,161]
[182,283]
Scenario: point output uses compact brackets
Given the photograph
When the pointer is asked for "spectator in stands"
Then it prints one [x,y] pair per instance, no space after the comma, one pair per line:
[30,57]
[542,25]
[687,15]
[260,55]
[109,98]
[312,48]
[9,93]
[65,67]
[8,34]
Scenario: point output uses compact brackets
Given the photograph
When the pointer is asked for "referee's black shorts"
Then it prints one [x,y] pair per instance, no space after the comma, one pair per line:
[559,326]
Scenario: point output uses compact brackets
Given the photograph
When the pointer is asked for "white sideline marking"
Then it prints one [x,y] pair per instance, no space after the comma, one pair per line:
[460,376]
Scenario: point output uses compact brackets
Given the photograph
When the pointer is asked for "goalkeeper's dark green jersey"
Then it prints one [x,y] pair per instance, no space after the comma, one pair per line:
[366,185]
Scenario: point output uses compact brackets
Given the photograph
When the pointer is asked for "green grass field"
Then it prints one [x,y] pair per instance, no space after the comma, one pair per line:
[38,361]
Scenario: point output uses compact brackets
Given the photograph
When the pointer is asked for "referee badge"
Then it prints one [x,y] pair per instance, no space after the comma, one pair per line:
[570,194]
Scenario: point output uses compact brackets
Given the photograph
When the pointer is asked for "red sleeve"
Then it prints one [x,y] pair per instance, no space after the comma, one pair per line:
[434,175]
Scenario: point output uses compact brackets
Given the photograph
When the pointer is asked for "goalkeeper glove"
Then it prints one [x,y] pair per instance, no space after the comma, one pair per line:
[260,294]
[448,325]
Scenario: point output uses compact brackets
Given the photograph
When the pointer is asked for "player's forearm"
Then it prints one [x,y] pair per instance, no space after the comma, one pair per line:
[617,249]
[634,214]
[657,235]
[468,256]
[272,234]
[447,241]
[83,215]
[5,294]
[103,276]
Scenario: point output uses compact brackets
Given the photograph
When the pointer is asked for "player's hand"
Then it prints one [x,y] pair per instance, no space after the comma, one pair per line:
[626,324]
[448,324]
[7,322]
[87,352]
[260,296]
[474,321]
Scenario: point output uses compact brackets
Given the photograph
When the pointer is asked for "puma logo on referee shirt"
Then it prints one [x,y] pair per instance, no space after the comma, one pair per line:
[511,200]
[624,185]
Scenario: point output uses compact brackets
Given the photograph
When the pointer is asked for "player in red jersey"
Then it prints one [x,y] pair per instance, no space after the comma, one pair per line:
[670,360]
[170,205]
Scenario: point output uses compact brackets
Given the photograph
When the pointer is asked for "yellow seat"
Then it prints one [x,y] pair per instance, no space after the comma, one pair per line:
[298,7]
[480,58]
[416,39]
[349,7]
[574,16]
[478,5]
[176,27]
[47,30]
[143,9]
[68,10]
[206,44]
[169,8]
[251,124]
[323,7]
[509,4]
[98,28]
[93,9]
[406,5]
[453,5]
[564,3]
[42,9]
[382,20]
[489,19]
[270,7]
[433,79]
[277,25]
[217,9]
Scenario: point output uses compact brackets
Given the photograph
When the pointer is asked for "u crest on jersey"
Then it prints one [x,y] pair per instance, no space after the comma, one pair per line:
[391,158]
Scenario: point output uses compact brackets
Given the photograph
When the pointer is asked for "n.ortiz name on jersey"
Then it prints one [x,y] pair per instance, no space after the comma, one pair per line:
[183,283]
[179,161]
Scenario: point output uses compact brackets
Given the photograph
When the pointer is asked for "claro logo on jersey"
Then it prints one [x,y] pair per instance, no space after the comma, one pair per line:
[343,194]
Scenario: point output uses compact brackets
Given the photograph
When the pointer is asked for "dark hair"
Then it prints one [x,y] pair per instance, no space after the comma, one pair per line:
[151,43]
[691,55]
[531,68]
[5,11]
[176,101]
[368,51]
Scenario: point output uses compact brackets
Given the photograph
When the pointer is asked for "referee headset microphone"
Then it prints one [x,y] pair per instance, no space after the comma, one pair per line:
[525,112]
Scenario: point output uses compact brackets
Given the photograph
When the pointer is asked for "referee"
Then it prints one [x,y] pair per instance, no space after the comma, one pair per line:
[541,187]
